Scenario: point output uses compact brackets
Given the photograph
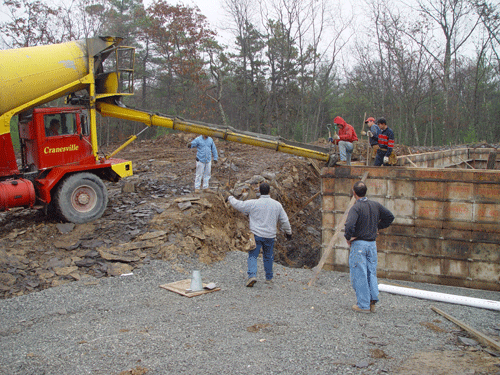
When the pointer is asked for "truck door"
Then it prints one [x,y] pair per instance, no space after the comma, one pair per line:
[55,137]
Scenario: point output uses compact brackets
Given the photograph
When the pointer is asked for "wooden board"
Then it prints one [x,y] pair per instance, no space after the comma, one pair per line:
[316,270]
[181,286]
[481,337]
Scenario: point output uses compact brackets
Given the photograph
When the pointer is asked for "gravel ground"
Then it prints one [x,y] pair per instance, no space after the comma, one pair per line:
[128,324]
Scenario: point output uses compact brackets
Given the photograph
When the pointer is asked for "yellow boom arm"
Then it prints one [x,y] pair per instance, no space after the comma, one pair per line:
[227,133]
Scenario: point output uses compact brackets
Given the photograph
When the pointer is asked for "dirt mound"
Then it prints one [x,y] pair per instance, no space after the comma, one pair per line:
[156,215]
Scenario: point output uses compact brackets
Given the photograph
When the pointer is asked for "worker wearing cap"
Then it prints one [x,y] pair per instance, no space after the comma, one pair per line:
[372,133]
[344,139]
[385,143]
[205,150]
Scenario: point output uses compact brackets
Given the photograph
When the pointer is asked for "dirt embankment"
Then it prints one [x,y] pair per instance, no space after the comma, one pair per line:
[156,215]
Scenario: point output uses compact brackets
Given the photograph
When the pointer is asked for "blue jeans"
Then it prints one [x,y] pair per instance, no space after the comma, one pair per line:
[379,158]
[345,151]
[267,245]
[363,270]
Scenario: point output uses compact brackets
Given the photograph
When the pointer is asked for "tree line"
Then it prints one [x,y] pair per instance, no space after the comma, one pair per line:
[431,68]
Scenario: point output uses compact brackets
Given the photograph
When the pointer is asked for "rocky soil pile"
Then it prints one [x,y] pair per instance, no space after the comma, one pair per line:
[155,214]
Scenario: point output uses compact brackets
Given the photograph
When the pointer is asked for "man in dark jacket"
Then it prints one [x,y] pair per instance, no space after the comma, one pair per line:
[385,143]
[364,220]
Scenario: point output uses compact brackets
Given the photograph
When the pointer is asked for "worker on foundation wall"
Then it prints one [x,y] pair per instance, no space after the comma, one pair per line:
[345,139]
[385,143]
[372,133]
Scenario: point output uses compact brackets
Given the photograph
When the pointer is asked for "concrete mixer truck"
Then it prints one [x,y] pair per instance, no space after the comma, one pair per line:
[59,164]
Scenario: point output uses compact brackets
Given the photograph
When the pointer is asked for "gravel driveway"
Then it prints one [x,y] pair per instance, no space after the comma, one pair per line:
[129,325]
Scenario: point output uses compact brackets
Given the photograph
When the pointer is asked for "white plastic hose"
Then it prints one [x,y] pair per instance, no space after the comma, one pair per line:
[442,297]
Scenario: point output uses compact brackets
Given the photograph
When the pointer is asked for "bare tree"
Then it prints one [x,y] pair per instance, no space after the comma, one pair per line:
[489,14]
[457,22]
[218,66]
[30,23]
[247,62]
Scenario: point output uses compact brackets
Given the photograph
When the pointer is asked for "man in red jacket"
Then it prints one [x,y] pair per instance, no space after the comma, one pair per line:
[344,139]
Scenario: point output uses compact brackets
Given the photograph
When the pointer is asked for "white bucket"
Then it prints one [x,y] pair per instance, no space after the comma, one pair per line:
[196,284]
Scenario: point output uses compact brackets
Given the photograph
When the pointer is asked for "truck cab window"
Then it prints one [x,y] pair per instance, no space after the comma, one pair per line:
[60,124]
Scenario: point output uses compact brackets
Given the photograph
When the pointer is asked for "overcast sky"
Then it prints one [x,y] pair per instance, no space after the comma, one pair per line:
[211,9]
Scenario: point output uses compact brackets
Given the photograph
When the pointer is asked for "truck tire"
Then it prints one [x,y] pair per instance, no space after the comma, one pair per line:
[81,198]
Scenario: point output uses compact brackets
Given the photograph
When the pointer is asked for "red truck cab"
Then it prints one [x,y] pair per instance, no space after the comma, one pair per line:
[53,137]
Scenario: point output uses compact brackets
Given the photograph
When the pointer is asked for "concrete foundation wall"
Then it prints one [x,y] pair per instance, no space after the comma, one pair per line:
[447,226]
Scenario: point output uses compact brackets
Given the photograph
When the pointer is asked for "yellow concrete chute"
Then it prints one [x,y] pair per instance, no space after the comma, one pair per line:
[214,131]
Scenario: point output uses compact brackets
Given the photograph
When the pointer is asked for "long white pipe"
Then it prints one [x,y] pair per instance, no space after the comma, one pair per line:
[442,297]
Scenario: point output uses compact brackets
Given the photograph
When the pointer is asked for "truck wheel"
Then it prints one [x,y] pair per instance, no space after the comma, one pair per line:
[81,198]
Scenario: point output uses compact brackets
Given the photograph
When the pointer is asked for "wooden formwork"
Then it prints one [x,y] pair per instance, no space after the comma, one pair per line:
[447,226]
[467,158]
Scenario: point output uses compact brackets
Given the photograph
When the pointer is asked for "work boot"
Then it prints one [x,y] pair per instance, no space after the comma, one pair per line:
[332,161]
[269,281]
[196,191]
[251,281]
[372,306]
[357,309]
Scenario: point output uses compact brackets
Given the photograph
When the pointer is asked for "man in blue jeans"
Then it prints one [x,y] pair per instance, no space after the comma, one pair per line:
[364,220]
[264,214]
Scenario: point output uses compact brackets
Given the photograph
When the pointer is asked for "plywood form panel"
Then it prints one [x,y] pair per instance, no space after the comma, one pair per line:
[489,252]
[458,191]
[428,247]
[430,266]
[453,249]
[400,230]
[381,259]
[457,234]
[398,262]
[328,221]
[456,268]
[341,203]
[395,244]
[341,256]
[458,211]
[403,209]
[485,271]
[429,210]
[487,213]
[401,188]
[486,193]
[328,202]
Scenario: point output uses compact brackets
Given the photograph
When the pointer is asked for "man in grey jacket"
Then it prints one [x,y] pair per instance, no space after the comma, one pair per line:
[264,214]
